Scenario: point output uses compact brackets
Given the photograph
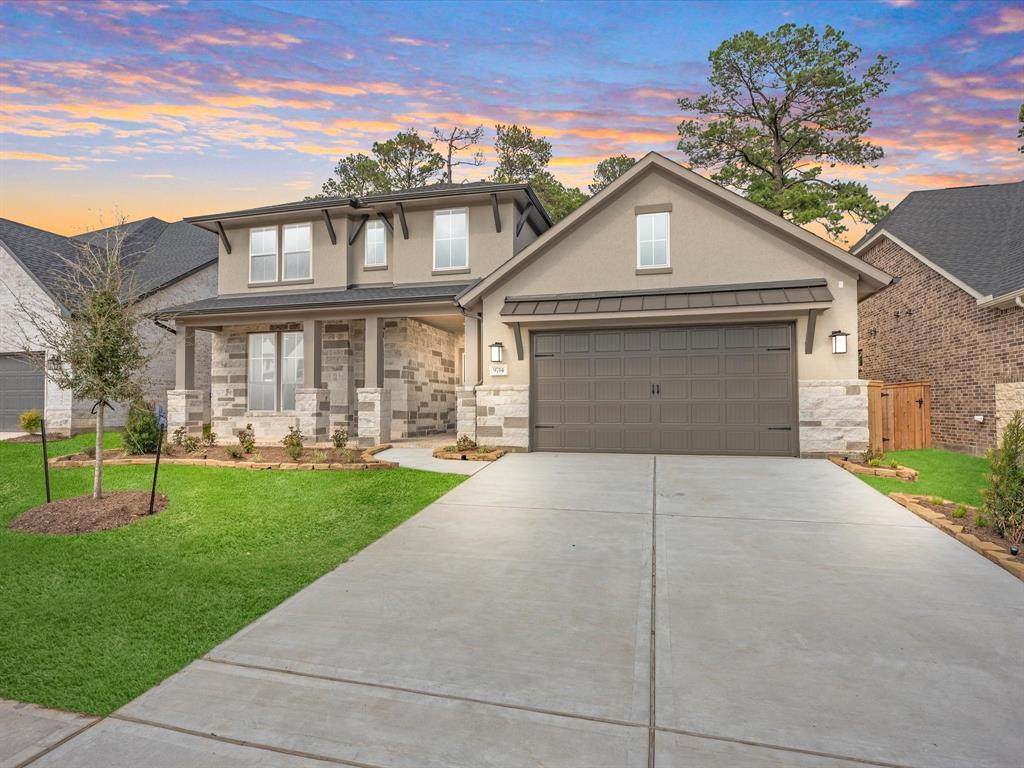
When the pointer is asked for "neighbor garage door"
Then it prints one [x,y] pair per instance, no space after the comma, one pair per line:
[21,388]
[726,389]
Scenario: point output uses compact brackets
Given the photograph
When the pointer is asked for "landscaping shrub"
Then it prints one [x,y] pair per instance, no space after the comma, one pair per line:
[292,443]
[937,501]
[980,521]
[960,512]
[1004,497]
[875,462]
[209,437]
[465,443]
[234,451]
[142,430]
[339,437]
[894,464]
[247,438]
[90,451]
[31,421]
[178,436]
[319,457]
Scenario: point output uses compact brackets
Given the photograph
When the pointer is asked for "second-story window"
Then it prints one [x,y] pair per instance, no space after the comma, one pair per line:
[451,239]
[376,245]
[297,252]
[652,240]
[263,255]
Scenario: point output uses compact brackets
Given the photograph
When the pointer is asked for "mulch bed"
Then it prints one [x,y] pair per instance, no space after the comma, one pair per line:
[25,439]
[84,514]
[268,454]
[967,521]
[477,454]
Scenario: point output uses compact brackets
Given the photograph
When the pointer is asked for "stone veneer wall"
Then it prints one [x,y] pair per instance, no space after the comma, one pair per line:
[420,376]
[1009,400]
[941,336]
[466,411]
[228,396]
[503,415]
[833,416]
[342,370]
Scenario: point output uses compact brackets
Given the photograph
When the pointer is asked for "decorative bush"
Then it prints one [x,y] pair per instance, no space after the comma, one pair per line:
[960,512]
[1004,496]
[31,421]
[894,464]
[90,451]
[209,436]
[179,436]
[319,457]
[292,443]
[465,443]
[247,438]
[142,430]
[339,437]
[875,462]
[234,451]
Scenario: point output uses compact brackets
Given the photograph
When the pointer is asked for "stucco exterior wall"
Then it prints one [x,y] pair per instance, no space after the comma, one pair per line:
[710,245]
[941,336]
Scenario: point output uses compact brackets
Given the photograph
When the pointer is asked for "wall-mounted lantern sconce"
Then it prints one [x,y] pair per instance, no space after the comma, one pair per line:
[838,342]
[497,352]
[873,332]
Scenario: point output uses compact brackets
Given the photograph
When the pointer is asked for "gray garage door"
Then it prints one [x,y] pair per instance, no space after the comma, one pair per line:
[726,389]
[21,388]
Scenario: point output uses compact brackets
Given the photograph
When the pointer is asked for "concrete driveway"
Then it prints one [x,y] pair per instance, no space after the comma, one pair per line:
[799,619]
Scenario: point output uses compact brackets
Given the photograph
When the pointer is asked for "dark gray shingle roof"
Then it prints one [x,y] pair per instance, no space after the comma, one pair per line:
[975,234]
[652,300]
[339,297]
[158,253]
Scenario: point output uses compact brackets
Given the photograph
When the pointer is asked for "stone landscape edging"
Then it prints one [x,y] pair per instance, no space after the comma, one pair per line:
[368,462]
[900,473]
[441,453]
[987,549]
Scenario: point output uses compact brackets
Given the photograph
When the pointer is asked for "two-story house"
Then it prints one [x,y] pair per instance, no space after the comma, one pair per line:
[664,315]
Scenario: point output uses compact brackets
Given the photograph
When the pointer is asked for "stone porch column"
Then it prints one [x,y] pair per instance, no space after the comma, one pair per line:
[313,405]
[373,401]
[466,411]
[189,408]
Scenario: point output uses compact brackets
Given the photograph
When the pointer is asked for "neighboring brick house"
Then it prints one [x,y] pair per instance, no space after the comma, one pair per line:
[170,264]
[955,318]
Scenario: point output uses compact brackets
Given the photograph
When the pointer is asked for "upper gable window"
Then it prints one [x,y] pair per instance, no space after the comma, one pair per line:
[451,239]
[297,252]
[376,245]
[652,240]
[263,255]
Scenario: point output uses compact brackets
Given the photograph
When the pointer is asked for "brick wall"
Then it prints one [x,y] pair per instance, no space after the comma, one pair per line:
[946,339]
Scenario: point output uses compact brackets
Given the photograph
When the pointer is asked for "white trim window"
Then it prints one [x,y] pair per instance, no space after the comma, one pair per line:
[376,253]
[451,239]
[262,379]
[297,252]
[263,255]
[652,240]
[291,368]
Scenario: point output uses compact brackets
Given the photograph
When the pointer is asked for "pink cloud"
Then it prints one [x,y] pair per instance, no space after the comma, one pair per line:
[1011,19]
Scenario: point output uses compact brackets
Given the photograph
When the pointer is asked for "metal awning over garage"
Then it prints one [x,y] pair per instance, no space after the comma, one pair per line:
[739,296]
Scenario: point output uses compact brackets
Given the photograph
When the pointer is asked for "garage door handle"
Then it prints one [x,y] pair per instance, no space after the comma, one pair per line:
[543,426]
[787,429]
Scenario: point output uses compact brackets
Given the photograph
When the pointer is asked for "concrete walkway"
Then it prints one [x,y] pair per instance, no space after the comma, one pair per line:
[27,731]
[798,618]
[423,458]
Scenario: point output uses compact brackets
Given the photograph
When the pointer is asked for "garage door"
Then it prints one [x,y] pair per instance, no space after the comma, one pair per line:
[21,388]
[712,389]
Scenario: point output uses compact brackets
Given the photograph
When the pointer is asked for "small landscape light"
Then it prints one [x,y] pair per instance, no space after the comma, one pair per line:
[1014,551]
[497,351]
[838,342]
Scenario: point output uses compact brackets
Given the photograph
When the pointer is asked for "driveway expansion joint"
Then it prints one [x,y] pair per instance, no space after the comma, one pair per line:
[42,753]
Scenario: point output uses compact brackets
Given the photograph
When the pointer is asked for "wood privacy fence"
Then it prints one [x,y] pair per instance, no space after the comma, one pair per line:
[899,416]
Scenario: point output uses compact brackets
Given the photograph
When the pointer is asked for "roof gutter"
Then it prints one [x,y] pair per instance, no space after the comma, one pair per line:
[1005,301]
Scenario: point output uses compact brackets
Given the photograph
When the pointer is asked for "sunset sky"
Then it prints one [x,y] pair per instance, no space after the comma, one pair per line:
[175,108]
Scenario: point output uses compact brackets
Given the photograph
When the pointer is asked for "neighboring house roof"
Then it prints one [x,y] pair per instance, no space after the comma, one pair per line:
[972,235]
[402,195]
[291,300]
[158,253]
[695,297]
[871,278]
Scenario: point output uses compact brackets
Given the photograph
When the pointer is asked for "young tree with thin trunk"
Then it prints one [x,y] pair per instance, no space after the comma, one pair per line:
[780,107]
[94,345]
[455,140]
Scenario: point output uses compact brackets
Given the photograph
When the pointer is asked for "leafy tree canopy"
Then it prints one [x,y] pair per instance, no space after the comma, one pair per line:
[608,170]
[558,200]
[520,155]
[406,160]
[780,106]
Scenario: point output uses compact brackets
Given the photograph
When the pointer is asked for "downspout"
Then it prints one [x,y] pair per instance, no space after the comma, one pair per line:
[479,344]
[1019,301]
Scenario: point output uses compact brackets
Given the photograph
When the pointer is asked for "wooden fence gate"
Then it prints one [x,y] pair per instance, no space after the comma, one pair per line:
[899,416]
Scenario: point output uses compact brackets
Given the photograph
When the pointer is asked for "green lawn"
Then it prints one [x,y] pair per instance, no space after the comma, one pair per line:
[951,475]
[88,622]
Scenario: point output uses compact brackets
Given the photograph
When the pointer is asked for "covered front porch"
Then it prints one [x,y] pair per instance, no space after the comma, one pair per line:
[378,373]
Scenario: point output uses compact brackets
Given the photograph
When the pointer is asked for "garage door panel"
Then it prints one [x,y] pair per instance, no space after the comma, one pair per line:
[21,389]
[547,344]
[708,389]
